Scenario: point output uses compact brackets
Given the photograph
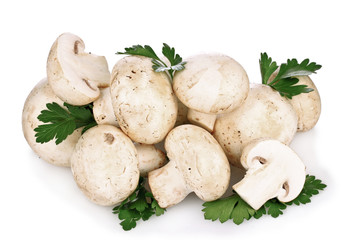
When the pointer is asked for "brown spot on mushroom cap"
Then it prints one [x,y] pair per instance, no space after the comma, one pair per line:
[109,138]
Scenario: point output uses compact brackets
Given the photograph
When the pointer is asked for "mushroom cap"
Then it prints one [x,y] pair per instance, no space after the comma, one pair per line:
[103,110]
[36,102]
[211,83]
[307,105]
[200,160]
[273,170]
[74,75]
[150,158]
[143,101]
[264,114]
[105,165]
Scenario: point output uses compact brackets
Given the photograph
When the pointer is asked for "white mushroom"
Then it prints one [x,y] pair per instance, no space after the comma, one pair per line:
[197,164]
[103,110]
[143,101]
[264,114]
[273,170]
[36,102]
[74,75]
[105,165]
[150,158]
[210,84]
[307,105]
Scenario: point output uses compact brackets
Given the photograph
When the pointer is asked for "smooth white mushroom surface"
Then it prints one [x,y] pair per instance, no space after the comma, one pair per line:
[307,105]
[273,170]
[105,165]
[103,110]
[264,114]
[74,75]
[211,83]
[197,164]
[143,101]
[36,102]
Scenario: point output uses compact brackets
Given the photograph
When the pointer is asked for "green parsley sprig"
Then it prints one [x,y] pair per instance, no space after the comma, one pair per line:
[176,62]
[141,204]
[285,81]
[61,123]
[233,207]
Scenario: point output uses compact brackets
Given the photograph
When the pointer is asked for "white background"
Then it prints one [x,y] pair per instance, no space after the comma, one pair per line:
[41,201]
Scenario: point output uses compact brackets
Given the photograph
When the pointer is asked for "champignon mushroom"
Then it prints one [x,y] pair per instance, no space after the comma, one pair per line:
[103,110]
[197,164]
[150,158]
[307,106]
[143,101]
[264,114]
[36,102]
[105,165]
[210,84]
[273,170]
[74,75]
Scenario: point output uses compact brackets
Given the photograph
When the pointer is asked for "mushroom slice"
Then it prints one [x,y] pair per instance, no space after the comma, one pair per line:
[103,109]
[211,84]
[105,165]
[143,101]
[197,164]
[150,158]
[264,114]
[273,170]
[74,75]
[36,102]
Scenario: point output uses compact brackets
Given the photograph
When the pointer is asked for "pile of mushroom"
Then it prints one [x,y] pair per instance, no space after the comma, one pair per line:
[238,124]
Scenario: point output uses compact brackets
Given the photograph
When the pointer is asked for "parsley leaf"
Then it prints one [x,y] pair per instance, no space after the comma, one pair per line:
[285,81]
[311,187]
[61,123]
[175,60]
[176,63]
[139,205]
[274,207]
[233,207]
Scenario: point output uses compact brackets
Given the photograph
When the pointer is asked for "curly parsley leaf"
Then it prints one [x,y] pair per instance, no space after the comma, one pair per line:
[233,207]
[61,123]
[139,205]
[176,63]
[285,80]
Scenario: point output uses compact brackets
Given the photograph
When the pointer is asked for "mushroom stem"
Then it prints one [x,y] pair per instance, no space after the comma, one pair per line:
[165,180]
[204,120]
